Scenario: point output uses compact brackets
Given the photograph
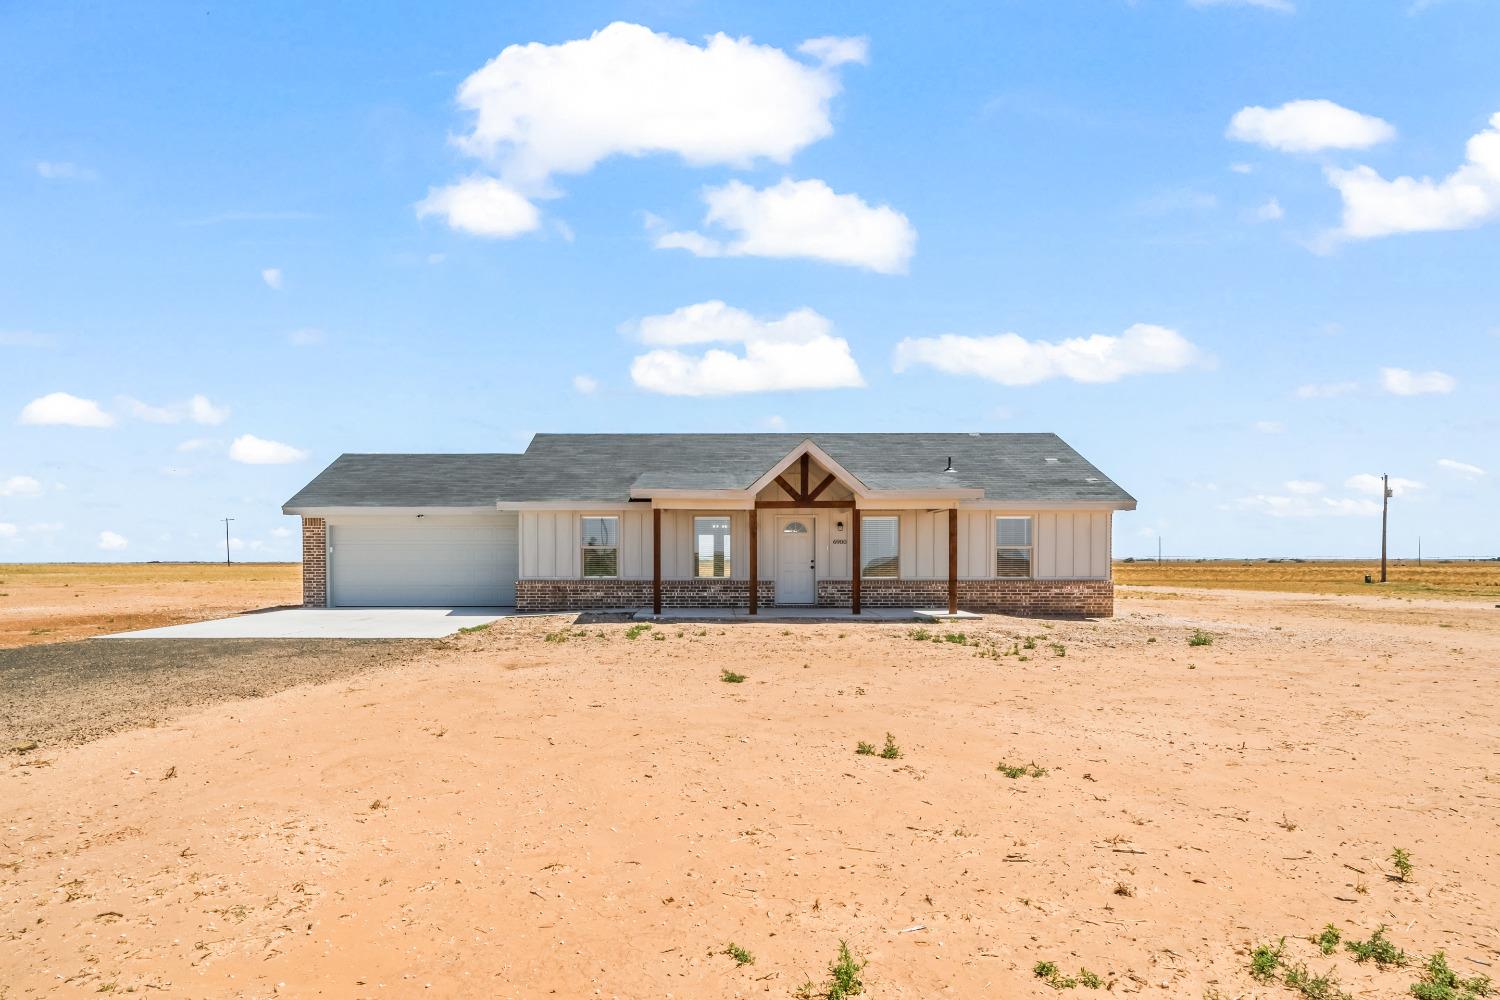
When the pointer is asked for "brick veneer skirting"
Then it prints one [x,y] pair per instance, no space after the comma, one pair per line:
[314,562]
[1087,598]
[593,594]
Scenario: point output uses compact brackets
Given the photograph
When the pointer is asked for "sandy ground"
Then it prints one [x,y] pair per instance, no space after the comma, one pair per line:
[54,602]
[74,692]
[516,817]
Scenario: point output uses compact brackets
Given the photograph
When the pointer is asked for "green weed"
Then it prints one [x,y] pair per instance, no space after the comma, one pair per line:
[1328,940]
[1200,638]
[1264,960]
[1012,771]
[843,979]
[730,677]
[1324,987]
[1401,861]
[1378,949]
[740,955]
[1439,982]
[891,750]
[865,749]
[636,631]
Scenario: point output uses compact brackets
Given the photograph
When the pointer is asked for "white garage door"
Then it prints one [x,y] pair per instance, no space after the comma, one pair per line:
[430,561]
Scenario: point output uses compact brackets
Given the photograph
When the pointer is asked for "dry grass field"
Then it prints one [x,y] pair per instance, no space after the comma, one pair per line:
[55,602]
[556,807]
[1478,579]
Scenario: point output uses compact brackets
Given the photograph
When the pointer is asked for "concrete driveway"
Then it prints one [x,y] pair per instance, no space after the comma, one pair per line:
[329,623]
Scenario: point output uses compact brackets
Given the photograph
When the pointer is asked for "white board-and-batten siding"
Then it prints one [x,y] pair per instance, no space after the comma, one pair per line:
[1066,544]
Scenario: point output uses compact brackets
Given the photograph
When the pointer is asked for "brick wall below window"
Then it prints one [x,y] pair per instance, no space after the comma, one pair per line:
[1086,598]
[314,562]
[596,594]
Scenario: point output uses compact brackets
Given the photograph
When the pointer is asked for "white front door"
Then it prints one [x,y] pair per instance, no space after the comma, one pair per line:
[794,561]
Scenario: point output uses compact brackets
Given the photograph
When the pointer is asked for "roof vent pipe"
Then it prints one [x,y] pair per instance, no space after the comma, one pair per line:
[950,464]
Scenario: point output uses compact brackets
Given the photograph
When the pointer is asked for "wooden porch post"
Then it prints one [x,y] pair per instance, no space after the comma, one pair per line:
[854,567]
[754,561]
[656,560]
[953,560]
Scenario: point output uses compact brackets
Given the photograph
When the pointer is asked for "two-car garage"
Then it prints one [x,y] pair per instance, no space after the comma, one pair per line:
[421,560]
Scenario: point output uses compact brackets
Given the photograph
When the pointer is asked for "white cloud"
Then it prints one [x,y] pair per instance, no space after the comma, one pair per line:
[542,110]
[272,277]
[802,219]
[61,170]
[61,408]
[1308,126]
[1010,359]
[307,336]
[1365,482]
[201,411]
[1272,505]
[8,530]
[1269,426]
[109,541]
[20,486]
[585,384]
[1303,487]
[1270,211]
[833,50]
[797,351]
[1470,196]
[482,206]
[197,444]
[1242,168]
[281,532]
[1461,468]
[1326,390]
[1282,6]
[1401,382]
[251,450]
[775,422]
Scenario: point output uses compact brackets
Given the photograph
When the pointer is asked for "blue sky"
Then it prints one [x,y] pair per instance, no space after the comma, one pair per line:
[1241,255]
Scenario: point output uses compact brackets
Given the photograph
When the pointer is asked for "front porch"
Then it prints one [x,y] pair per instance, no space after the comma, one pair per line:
[802,614]
[807,488]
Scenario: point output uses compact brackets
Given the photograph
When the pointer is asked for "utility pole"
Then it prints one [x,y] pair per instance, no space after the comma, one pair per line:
[1385,506]
[226,521]
[1419,550]
[1158,550]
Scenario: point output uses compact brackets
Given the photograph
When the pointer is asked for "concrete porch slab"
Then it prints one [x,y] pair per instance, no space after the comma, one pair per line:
[329,623]
[942,615]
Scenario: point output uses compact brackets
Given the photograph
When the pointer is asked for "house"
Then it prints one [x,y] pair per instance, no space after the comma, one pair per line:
[985,522]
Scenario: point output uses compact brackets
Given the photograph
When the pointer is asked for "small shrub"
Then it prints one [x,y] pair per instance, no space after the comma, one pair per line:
[659,636]
[1324,987]
[474,628]
[1200,638]
[1030,643]
[865,749]
[1014,771]
[1378,948]
[1059,649]
[636,631]
[957,638]
[740,955]
[730,677]
[919,634]
[555,637]
[1121,889]
[1264,960]
[891,751]
[1089,980]
[1328,940]
[843,979]
[1401,861]
[1439,982]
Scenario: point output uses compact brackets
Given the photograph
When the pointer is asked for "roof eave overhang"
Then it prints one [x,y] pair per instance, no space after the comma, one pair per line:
[341,510]
[748,496]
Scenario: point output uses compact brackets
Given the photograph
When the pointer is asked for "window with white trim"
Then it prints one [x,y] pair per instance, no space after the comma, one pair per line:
[601,546]
[880,547]
[1013,547]
[711,546]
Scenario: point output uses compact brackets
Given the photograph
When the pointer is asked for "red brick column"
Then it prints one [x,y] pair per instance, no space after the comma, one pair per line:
[314,562]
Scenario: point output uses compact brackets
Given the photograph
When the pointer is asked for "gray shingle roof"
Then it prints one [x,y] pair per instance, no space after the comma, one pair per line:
[604,467]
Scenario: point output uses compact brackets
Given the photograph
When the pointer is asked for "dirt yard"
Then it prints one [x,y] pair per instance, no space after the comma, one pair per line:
[56,602]
[543,809]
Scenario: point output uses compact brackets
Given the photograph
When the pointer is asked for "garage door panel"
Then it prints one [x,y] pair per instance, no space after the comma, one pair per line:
[411,562]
